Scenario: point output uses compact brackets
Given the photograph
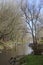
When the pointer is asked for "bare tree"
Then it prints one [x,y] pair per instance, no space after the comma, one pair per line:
[32,13]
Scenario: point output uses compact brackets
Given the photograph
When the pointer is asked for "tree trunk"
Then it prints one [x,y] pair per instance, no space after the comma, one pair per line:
[35,47]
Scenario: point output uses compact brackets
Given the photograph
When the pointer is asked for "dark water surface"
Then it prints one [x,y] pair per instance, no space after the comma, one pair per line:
[4,59]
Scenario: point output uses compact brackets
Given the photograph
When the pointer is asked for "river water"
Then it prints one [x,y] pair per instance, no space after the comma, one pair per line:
[5,56]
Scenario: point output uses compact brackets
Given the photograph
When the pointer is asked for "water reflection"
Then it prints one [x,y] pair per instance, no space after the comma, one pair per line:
[20,50]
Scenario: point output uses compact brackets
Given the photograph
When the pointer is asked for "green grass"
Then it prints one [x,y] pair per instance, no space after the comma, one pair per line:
[34,60]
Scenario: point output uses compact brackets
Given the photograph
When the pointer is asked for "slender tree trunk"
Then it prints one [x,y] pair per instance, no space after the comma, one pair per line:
[35,46]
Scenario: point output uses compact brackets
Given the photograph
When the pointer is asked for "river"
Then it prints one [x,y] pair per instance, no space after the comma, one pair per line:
[5,56]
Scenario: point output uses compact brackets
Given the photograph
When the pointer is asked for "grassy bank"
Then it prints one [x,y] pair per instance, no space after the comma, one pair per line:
[34,60]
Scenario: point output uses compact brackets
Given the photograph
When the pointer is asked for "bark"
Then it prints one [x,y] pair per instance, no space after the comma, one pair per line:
[35,47]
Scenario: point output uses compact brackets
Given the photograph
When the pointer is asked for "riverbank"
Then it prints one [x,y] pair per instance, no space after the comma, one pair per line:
[34,60]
